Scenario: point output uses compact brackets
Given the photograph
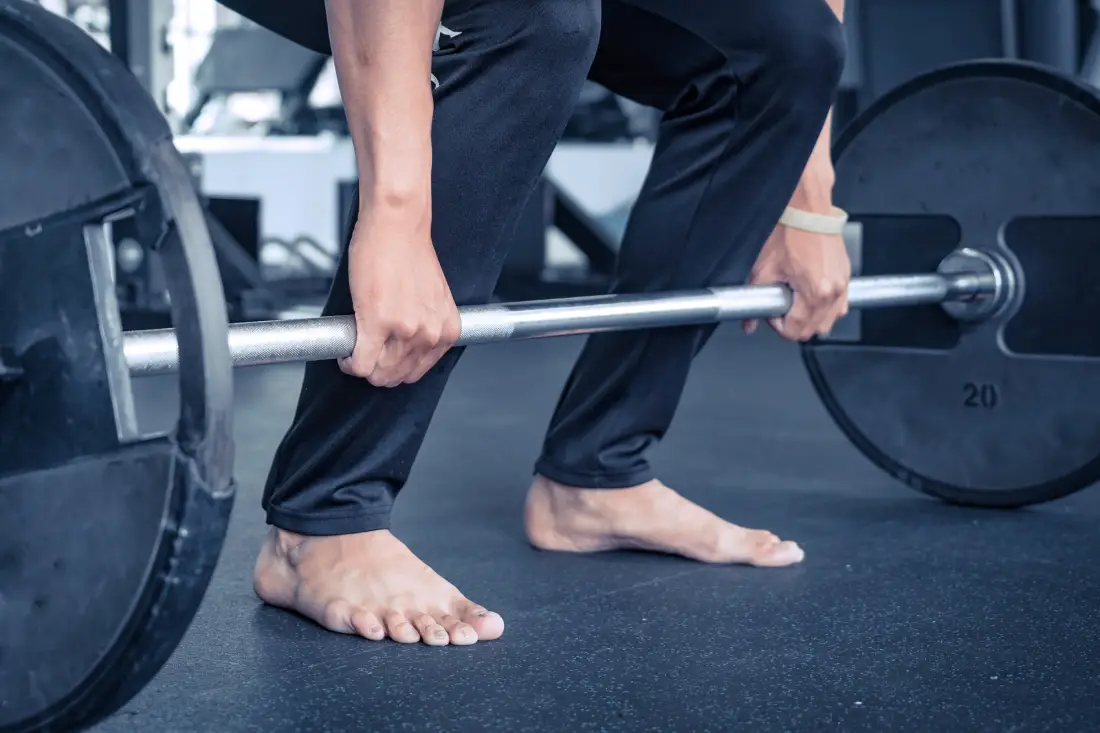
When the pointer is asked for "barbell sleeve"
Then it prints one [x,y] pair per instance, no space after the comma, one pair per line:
[333,337]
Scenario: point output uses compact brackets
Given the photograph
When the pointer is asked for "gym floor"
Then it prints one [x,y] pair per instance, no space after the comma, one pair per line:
[908,615]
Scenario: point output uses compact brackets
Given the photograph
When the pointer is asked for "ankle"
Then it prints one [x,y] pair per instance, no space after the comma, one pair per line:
[575,511]
[564,499]
[560,518]
[283,542]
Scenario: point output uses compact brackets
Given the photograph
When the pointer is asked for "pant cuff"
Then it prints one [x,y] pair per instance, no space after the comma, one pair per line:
[583,480]
[322,526]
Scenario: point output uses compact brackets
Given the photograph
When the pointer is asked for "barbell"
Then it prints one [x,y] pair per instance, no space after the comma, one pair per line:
[971,284]
[967,367]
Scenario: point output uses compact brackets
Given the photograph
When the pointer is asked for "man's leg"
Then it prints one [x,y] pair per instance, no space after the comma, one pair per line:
[508,75]
[746,87]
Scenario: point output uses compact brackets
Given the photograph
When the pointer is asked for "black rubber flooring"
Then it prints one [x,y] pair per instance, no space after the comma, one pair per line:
[907,615]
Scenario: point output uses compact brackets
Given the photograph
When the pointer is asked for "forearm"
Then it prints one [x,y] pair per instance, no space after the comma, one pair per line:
[815,188]
[382,50]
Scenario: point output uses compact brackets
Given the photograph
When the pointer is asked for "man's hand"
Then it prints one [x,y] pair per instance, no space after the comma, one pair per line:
[405,316]
[816,268]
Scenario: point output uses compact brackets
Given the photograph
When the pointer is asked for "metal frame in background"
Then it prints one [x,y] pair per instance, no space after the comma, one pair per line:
[250,58]
[139,37]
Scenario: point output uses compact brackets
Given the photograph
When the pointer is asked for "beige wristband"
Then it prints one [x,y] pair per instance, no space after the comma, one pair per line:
[817,223]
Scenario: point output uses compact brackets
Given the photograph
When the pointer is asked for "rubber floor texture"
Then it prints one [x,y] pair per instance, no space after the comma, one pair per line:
[907,615]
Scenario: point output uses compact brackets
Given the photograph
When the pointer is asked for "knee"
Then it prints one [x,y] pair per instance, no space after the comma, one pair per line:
[562,36]
[804,49]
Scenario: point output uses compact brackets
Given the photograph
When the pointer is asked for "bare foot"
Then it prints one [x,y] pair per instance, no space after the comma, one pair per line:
[646,517]
[371,585]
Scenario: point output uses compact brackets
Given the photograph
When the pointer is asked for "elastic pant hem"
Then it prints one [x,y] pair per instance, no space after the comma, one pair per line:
[322,526]
[580,480]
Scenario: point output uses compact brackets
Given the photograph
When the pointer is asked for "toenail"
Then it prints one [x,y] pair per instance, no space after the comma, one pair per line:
[481,614]
[440,634]
[374,630]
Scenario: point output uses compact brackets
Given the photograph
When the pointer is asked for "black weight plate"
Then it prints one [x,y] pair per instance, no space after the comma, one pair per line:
[77,588]
[996,156]
[107,541]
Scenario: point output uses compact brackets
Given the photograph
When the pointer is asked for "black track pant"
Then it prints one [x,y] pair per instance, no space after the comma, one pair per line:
[745,86]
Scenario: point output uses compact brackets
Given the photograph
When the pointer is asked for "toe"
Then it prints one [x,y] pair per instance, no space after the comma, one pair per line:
[367,625]
[337,617]
[756,547]
[400,630]
[778,554]
[486,624]
[431,632]
[461,633]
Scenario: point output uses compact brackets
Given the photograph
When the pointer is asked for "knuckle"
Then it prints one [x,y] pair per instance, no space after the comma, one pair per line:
[380,375]
[356,367]
[427,365]
[798,315]
[404,329]
[826,291]
[414,375]
[451,331]
[432,334]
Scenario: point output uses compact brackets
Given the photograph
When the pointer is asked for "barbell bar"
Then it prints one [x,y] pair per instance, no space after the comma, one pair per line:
[978,281]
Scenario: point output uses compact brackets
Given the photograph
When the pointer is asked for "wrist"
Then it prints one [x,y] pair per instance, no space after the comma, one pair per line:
[396,182]
[394,161]
[828,225]
[405,196]
[814,192]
